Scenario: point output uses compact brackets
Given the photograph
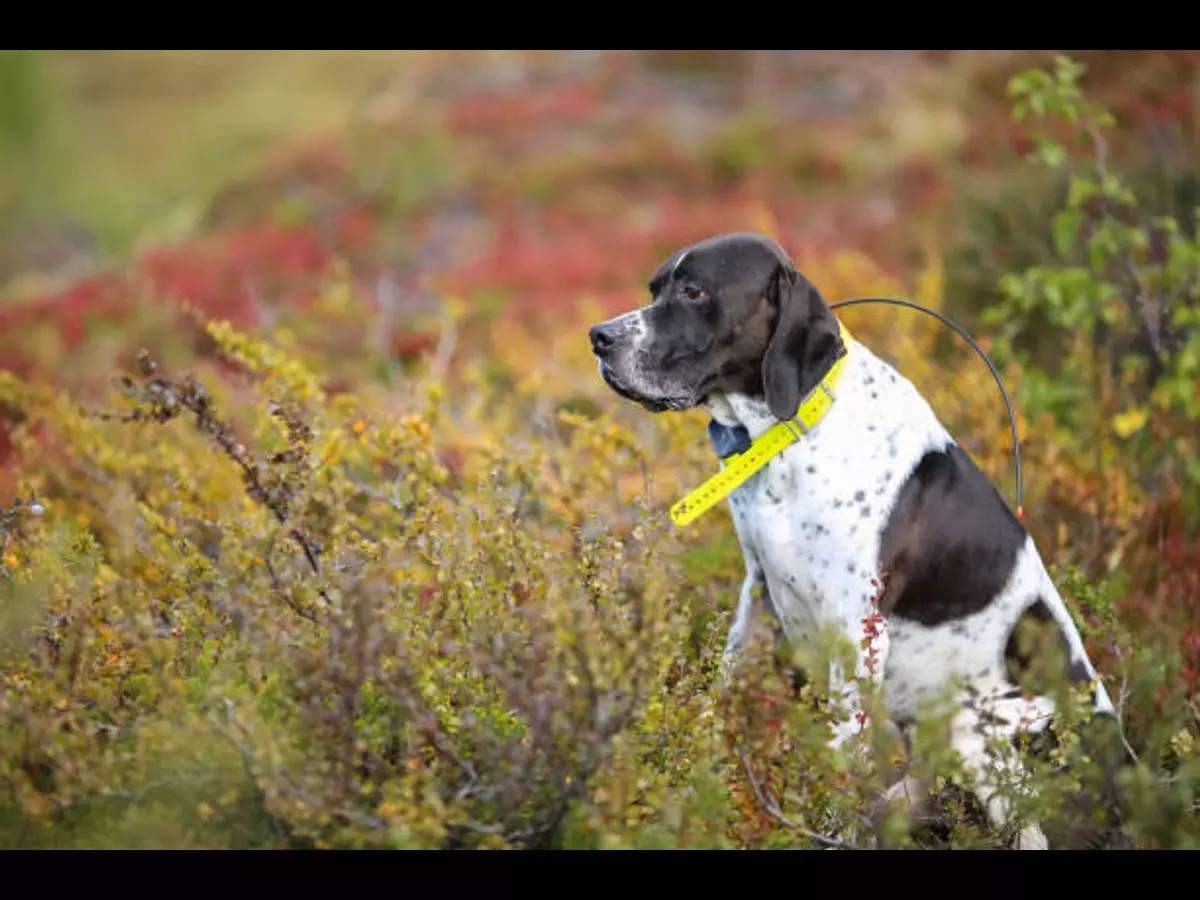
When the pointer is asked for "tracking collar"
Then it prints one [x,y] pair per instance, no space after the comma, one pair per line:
[743,457]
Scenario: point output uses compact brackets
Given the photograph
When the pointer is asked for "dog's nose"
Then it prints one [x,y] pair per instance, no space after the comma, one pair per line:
[603,338]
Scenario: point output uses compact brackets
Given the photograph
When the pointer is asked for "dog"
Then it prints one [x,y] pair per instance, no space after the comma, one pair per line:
[875,507]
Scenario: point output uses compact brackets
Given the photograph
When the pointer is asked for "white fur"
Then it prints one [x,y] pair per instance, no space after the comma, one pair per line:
[810,525]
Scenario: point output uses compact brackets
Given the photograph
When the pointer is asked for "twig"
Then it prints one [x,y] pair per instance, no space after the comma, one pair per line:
[1121,710]
[1151,319]
[767,802]
[283,592]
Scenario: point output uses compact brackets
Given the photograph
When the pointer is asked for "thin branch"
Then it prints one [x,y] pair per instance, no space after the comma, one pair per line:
[1139,304]
[1122,694]
[283,592]
[767,802]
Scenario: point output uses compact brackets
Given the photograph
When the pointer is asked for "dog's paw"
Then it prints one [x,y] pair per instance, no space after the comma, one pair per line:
[1031,838]
[908,795]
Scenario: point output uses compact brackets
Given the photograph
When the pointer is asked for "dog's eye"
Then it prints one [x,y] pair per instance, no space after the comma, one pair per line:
[691,292]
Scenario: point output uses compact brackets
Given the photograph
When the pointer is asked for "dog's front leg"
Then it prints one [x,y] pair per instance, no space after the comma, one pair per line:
[743,618]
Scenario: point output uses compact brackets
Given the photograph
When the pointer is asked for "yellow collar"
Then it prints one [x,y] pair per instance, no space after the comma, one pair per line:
[738,467]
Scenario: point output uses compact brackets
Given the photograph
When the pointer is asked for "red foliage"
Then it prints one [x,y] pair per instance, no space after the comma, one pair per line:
[355,229]
[1189,646]
[5,441]
[228,276]
[225,276]
[101,295]
[1169,560]
[546,260]
[408,344]
[921,185]
[486,113]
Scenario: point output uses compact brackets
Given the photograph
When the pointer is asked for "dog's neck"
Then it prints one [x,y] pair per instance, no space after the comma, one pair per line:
[733,409]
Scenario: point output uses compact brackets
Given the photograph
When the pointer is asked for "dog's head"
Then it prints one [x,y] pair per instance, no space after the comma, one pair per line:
[729,314]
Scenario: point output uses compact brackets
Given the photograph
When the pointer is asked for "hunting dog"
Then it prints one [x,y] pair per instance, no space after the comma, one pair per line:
[875,505]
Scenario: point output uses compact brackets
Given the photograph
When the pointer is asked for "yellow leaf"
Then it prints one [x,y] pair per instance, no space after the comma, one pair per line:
[1130,421]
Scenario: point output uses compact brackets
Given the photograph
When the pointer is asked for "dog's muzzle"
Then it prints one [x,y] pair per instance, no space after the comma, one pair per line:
[605,338]
[614,343]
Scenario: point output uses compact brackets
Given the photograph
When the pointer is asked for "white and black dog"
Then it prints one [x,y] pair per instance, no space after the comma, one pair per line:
[878,493]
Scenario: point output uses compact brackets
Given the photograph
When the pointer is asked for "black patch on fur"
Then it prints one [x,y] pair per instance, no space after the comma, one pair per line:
[1078,672]
[950,543]
[1031,649]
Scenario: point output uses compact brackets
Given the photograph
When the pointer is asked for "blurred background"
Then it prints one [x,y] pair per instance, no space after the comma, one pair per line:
[538,176]
[535,177]
[528,187]
[462,217]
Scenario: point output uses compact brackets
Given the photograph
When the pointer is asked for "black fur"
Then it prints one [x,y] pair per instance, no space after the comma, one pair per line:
[804,346]
[950,543]
[1029,650]
[729,314]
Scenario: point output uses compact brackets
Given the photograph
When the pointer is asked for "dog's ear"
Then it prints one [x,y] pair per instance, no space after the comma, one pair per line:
[805,343]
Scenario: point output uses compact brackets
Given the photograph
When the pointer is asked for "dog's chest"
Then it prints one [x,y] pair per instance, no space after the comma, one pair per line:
[812,519]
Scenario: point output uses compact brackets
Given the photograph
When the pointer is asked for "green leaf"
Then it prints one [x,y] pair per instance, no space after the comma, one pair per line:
[1012,285]
[1167,224]
[1079,190]
[1066,229]
[1053,155]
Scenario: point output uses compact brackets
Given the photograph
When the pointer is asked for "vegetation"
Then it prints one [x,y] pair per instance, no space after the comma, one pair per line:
[318,529]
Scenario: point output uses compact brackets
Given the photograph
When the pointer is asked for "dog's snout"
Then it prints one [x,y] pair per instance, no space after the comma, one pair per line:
[604,338]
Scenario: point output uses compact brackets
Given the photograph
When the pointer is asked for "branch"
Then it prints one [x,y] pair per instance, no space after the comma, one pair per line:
[767,802]
[1139,304]
[1121,707]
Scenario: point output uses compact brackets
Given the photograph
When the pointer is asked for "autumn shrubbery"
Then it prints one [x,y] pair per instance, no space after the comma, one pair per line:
[283,589]
[247,612]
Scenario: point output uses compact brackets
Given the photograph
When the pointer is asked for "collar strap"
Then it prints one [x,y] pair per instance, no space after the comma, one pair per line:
[728,439]
[739,466]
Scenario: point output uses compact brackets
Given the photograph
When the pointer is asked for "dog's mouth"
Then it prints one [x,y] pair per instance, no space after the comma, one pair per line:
[653,404]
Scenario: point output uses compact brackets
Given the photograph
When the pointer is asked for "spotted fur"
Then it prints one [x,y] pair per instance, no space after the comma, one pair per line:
[876,505]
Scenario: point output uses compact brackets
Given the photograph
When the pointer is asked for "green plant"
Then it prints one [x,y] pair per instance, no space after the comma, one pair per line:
[1123,296]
